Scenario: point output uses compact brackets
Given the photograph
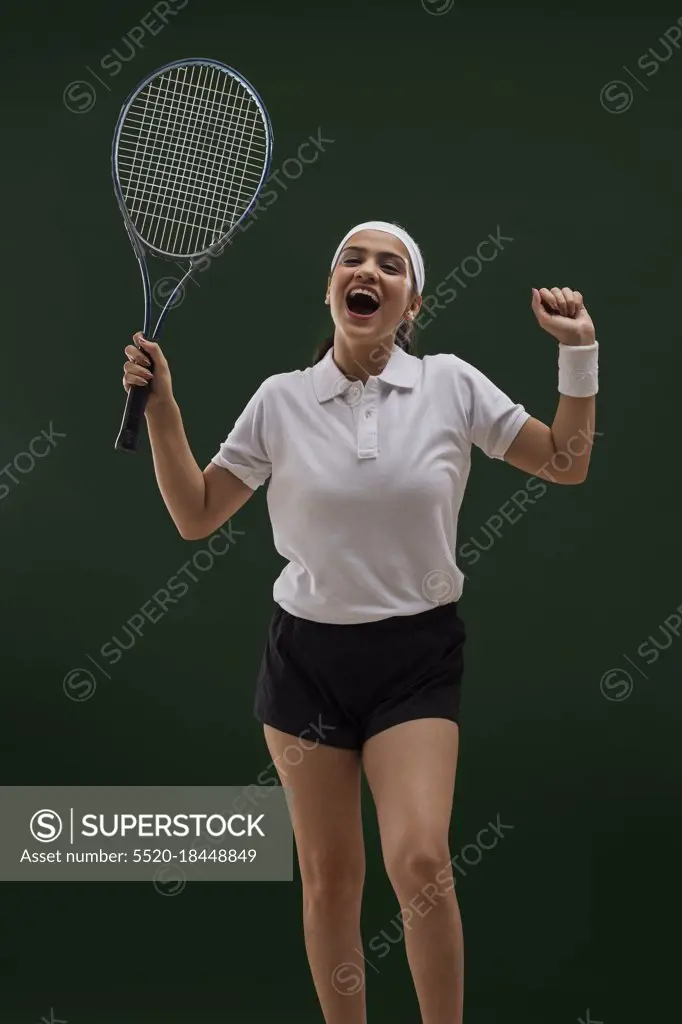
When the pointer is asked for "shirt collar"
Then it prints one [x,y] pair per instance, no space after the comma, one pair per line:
[402,371]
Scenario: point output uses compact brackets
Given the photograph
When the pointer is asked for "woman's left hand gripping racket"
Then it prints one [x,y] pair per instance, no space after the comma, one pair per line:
[191,153]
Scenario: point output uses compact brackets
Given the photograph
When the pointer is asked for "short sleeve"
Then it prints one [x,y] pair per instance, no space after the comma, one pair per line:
[494,419]
[245,450]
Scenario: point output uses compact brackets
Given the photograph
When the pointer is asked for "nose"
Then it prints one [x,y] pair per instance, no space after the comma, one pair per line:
[366,271]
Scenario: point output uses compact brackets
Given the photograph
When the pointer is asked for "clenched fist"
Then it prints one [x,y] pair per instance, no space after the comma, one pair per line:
[568,321]
[147,367]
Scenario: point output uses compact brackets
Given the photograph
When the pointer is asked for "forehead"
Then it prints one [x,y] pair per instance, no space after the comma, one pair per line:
[378,241]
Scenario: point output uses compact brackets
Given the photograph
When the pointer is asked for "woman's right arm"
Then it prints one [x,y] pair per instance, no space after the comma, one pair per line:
[199,502]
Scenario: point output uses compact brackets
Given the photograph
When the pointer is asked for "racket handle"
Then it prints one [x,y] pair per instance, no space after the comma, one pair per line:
[129,434]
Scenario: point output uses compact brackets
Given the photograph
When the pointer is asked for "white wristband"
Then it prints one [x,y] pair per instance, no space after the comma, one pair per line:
[578,370]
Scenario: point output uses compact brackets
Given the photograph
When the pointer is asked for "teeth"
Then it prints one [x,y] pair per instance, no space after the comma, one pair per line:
[364,291]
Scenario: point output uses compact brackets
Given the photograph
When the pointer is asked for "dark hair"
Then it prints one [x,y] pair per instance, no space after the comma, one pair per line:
[404,338]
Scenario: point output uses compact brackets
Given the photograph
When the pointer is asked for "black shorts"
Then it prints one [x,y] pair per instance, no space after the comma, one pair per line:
[342,684]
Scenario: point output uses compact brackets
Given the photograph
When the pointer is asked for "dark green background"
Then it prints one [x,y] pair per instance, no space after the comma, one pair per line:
[488,115]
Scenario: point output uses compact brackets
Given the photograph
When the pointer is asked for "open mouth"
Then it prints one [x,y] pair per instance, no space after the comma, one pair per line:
[362,303]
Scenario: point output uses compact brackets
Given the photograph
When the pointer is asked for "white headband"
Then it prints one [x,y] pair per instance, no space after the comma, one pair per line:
[397,232]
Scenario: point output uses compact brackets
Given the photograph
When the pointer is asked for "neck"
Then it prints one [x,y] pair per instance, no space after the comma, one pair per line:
[360,361]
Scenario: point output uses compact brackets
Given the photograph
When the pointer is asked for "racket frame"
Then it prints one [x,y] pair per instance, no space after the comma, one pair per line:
[128,435]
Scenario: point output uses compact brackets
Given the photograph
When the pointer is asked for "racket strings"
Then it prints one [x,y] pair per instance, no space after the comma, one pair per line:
[161,177]
[198,141]
[189,146]
[212,146]
[191,156]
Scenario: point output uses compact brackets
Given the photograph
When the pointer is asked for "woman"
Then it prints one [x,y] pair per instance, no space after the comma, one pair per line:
[368,453]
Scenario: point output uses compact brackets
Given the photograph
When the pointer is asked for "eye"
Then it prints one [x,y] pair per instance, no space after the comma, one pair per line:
[349,260]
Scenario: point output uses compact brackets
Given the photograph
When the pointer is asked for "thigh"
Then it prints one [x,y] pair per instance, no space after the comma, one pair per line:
[411,770]
[323,786]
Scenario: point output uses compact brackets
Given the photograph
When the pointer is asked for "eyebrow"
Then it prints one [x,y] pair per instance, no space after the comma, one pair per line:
[393,255]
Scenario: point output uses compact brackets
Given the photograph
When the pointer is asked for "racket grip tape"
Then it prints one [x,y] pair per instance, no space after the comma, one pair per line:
[133,415]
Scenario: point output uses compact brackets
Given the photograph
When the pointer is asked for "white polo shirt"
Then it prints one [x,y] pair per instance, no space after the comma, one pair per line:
[367,481]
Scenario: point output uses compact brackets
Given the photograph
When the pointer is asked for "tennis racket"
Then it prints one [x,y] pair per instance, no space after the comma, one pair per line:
[191,153]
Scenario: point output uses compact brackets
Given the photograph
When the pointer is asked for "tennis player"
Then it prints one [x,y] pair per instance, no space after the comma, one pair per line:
[367,453]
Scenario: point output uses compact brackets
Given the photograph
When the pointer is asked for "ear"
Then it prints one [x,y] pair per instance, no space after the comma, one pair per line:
[413,309]
[327,296]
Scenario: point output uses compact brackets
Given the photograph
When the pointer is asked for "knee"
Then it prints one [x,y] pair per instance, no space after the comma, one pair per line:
[332,878]
[416,863]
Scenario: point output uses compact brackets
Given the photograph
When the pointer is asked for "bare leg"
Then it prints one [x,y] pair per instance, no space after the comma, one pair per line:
[411,771]
[325,802]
